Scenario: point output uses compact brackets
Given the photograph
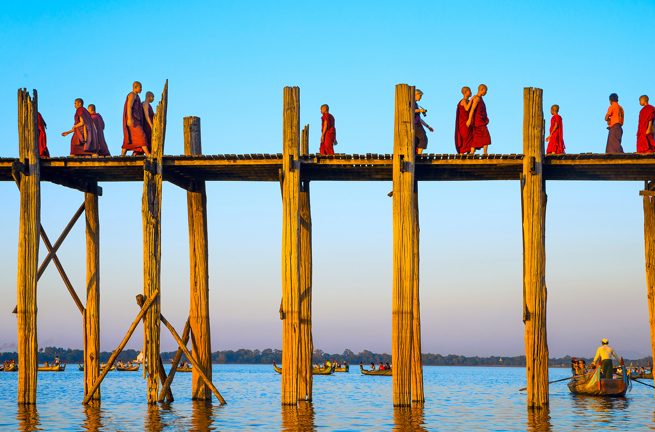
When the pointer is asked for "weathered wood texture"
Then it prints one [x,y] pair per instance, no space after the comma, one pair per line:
[290,245]
[198,259]
[175,363]
[92,310]
[403,244]
[151,209]
[417,361]
[28,245]
[649,240]
[305,376]
[534,259]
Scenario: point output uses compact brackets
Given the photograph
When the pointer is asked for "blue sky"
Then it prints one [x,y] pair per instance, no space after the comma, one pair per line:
[227,63]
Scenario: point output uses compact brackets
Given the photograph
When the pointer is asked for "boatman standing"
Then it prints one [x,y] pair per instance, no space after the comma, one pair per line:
[605,352]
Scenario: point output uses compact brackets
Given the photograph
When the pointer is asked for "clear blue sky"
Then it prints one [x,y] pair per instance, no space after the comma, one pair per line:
[227,63]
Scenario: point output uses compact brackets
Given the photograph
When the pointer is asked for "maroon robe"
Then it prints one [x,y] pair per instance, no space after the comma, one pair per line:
[85,138]
[99,123]
[134,138]
[43,143]
[479,124]
[146,126]
[327,146]
[463,135]
[645,143]
[556,142]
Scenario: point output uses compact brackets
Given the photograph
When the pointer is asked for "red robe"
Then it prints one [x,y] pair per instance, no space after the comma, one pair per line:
[556,142]
[85,138]
[645,143]
[134,138]
[327,146]
[463,135]
[146,126]
[43,143]
[99,123]
[479,124]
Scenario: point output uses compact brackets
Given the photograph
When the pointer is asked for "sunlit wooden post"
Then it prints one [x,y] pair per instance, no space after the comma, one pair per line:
[534,258]
[92,310]
[417,360]
[649,241]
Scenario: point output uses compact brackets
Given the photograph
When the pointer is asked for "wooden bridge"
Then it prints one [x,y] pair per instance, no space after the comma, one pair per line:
[295,169]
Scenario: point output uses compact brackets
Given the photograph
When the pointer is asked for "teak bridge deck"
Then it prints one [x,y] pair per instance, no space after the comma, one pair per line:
[295,169]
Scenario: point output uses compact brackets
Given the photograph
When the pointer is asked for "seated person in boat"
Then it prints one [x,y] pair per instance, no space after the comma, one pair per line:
[372,366]
[46,364]
[605,352]
[57,360]
[381,366]
[387,367]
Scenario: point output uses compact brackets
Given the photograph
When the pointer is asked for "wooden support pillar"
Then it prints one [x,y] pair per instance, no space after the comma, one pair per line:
[534,255]
[92,311]
[417,360]
[290,246]
[199,255]
[305,377]
[649,240]
[151,209]
[29,181]
[404,227]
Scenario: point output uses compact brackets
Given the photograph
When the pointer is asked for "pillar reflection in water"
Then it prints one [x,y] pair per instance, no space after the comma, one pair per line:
[202,416]
[28,418]
[300,418]
[539,420]
[152,421]
[409,418]
[93,414]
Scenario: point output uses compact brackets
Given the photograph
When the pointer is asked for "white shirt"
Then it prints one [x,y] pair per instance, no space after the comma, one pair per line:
[605,352]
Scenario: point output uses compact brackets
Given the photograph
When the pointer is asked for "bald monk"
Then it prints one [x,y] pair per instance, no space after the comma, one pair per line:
[463,135]
[614,119]
[85,140]
[645,139]
[478,120]
[43,142]
[99,123]
[556,137]
[328,131]
[149,117]
[134,138]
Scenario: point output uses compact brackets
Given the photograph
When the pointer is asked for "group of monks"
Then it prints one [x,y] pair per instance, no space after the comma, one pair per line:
[88,130]
[471,120]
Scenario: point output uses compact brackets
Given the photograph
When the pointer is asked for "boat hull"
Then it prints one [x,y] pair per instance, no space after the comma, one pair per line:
[386,372]
[315,371]
[56,368]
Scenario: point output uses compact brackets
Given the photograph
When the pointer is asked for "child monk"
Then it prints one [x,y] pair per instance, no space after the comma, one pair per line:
[149,117]
[99,123]
[478,120]
[328,132]
[645,139]
[556,137]
[614,119]
[43,142]
[134,138]
[84,141]
[463,134]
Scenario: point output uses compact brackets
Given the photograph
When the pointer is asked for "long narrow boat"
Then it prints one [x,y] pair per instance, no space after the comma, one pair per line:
[184,369]
[2,367]
[102,367]
[128,368]
[53,368]
[344,369]
[386,372]
[594,385]
[11,368]
[315,371]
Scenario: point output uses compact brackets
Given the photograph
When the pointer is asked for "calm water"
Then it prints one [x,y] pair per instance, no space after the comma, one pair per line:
[457,399]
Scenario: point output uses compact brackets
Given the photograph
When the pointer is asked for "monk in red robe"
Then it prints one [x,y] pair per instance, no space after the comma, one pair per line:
[645,139]
[134,138]
[478,120]
[149,117]
[463,135]
[99,123]
[85,138]
[43,142]
[328,131]
[556,136]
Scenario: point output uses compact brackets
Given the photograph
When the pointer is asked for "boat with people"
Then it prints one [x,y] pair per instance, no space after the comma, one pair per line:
[345,368]
[592,384]
[128,368]
[11,367]
[103,366]
[328,370]
[57,367]
[384,372]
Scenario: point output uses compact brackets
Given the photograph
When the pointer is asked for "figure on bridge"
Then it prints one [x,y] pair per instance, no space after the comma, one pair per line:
[556,135]
[463,132]
[645,139]
[478,120]
[328,131]
[614,119]
[149,117]
[134,138]
[99,123]
[85,139]
[43,142]
[420,138]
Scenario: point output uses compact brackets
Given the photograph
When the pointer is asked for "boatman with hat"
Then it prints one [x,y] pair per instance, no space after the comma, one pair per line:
[605,352]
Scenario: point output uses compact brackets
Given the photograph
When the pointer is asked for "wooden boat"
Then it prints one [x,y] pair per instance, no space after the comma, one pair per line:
[80,366]
[2,367]
[11,368]
[593,385]
[315,371]
[53,368]
[184,369]
[345,368]
[102,367]
[128,368]
[386,372]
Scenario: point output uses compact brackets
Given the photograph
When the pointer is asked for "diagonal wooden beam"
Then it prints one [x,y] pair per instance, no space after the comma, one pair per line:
[60,240]
[178,355]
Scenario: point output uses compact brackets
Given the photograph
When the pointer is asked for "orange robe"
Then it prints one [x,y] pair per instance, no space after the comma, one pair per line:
[463,133]
[85,138]
[480,121]
[43,143]
[645,143]
[99,123]
[134,138]
[556,142]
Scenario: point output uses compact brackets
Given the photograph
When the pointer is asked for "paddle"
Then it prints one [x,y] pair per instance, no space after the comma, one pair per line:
[563,379]
[642,383]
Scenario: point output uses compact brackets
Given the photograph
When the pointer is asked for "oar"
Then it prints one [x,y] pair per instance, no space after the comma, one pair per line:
[563,379]
[642,382]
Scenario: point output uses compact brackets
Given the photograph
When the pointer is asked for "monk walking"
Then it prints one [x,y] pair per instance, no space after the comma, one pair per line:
[556,136]
[43,142]
[614,119]
[99,123]
[134,138]
[463,135]
[328,131]
[149,117]
[478,120]
[85,140]
[645,139]
[420,138]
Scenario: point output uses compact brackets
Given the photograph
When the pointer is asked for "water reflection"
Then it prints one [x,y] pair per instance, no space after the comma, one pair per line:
[28,418]
[300,418]
[602,409]
[539,420]
[409,418]
[202,416]
[93,414]
[153,422]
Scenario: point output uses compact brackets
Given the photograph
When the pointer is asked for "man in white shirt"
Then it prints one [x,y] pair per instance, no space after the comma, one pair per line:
[605,352]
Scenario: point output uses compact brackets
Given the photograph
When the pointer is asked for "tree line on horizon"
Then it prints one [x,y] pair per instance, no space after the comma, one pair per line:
[268,356]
